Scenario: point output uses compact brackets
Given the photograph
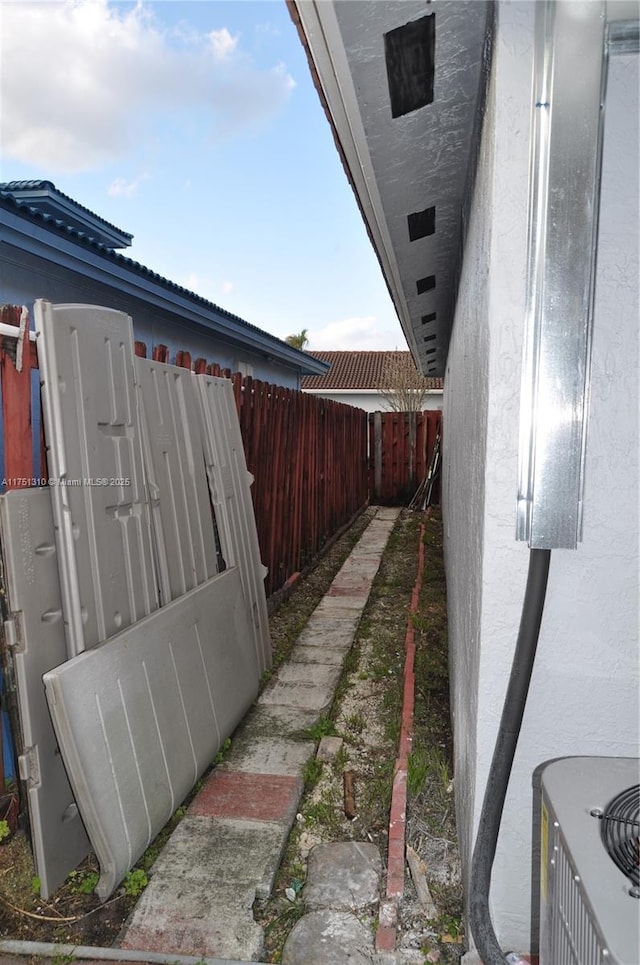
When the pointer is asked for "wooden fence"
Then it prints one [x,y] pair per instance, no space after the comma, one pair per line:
[308,455]
[400,449]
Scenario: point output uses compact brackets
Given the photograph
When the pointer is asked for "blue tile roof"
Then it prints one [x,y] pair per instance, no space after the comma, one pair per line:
[304,361]
[38,193]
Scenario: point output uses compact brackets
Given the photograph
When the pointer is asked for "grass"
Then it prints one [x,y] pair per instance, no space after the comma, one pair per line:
[324,727]
[425,763]
[311,773]
[135,882]
[83,882]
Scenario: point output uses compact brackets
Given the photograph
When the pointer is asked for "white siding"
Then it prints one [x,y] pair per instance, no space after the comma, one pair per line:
[584,692]
[372,401]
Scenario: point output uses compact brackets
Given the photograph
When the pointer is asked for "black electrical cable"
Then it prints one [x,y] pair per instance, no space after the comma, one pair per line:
[502,761]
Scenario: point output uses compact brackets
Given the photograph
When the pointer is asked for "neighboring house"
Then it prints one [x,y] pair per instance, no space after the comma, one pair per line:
[482,205]
[356,378]
[54,248]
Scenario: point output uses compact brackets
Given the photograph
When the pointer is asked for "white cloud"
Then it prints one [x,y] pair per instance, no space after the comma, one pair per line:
[84,80]
[359,333]
[121,188]
[222,43]
[196,283]
[206,287]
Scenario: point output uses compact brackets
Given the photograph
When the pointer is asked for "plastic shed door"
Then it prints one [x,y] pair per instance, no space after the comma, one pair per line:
[100,506]
[139,453]
[176,476]
[229,482]
[36,631]
[140,717]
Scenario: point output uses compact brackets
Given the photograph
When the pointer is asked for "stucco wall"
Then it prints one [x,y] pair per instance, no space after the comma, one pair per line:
[22,282]
[466,400]
[584,691]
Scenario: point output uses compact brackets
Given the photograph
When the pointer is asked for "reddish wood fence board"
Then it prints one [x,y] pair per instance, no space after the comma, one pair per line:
[400,449]
[15,380]
[308,456]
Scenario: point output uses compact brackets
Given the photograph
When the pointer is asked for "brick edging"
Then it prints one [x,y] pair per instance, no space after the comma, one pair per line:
[388,916]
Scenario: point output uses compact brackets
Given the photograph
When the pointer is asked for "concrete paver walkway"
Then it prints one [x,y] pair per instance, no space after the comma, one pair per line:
[228,847]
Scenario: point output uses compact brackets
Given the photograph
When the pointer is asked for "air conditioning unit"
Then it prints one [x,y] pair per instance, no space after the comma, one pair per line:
[590,862]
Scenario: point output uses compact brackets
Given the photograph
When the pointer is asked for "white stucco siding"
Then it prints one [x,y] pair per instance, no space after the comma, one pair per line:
[504,562]
[466,399]
[584,691]
[370,400]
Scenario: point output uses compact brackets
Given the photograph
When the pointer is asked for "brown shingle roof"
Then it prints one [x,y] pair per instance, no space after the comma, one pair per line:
[356,370]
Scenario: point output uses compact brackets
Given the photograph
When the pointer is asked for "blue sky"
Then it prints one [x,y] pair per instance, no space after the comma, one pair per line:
[195,126]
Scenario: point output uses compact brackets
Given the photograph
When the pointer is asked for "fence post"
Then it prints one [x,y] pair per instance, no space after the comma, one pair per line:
[377,455]
[160,353]
[411,472]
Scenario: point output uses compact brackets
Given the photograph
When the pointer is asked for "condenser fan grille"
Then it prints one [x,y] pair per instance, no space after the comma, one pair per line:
[620,829]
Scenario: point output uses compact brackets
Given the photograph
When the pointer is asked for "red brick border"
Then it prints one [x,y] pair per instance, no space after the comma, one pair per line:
[388,917]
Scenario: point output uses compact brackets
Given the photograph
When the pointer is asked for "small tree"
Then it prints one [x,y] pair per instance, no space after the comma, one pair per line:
[299,340]
[402,387]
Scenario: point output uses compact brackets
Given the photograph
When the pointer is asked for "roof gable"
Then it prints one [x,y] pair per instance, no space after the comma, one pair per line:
[43,196]
[16,211]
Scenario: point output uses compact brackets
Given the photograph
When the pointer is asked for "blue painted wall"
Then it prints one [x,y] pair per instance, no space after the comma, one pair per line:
[23,283]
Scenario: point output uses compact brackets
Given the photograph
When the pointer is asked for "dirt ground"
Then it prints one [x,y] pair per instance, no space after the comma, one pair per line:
[366,715]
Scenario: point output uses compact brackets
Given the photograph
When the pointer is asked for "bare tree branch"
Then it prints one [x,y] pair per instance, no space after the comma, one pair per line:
[402,387]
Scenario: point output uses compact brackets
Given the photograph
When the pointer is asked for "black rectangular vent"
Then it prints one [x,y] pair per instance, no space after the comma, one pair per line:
[426,284]
[409,53]
[430,338]
[428,318]
[421,223]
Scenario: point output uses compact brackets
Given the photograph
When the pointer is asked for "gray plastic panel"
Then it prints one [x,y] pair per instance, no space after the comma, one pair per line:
[99,501]
[139,717]
[177,479]
[37,631]
[229,481]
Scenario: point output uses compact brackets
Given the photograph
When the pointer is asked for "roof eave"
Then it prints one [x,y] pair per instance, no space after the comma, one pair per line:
[401,166]
[104,266]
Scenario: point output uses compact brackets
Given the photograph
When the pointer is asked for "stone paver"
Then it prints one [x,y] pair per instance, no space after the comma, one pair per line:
[303,696]
[247,795]
[328,938]
[227,849]
[329,633]
[334,606]
[279,720]
[301,654]
[328,748]
[200,898]
[268,755]
[320,674]
[343,875]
